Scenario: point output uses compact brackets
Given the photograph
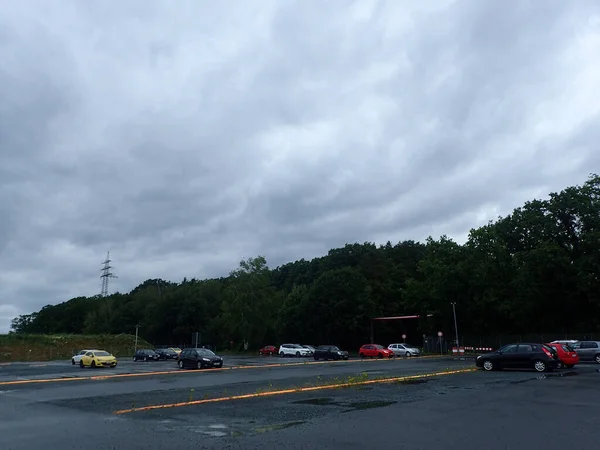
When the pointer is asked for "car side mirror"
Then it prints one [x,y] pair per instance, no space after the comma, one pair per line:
[499,352]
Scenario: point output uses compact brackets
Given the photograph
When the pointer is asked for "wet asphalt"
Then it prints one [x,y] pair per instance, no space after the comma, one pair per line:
[497,410]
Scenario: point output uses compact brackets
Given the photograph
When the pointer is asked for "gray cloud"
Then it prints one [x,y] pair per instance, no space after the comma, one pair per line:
[184,139]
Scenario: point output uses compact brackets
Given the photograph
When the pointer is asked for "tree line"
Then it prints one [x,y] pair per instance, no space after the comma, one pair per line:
[536,270]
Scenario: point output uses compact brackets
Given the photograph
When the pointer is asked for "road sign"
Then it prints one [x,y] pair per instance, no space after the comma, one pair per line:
[440,334]
[403,336]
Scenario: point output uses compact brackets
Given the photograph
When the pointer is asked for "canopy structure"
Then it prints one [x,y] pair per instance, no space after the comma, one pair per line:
[414,316]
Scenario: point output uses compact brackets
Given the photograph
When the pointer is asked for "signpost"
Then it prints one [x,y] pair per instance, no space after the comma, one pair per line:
[440,334]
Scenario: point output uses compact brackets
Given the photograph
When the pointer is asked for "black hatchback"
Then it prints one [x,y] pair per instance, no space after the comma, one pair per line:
[329,352]
[145,355]
[166,353]
[199,358]
[539,357]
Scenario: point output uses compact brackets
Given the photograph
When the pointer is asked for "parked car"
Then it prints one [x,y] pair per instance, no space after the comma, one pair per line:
[176,350]
[539,357]
[375,351]
[567,354]
[404,350]
[199,358]
[327,352]
[77,358]
[292,350]
[145,355]
[97,358]
[310,348]
[587,350]
[268,350]
[166,353]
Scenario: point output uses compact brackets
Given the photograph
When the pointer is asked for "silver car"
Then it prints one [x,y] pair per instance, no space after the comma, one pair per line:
[404,350]
[587,350]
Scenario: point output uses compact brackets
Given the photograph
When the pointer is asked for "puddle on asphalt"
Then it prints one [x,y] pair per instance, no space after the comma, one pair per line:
[277,426]
[370,404]
[214,433]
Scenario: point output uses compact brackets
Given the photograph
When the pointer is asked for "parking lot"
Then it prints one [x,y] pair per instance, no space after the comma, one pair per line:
[418,403]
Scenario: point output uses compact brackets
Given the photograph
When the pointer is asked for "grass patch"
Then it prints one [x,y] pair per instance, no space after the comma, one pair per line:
[48,347]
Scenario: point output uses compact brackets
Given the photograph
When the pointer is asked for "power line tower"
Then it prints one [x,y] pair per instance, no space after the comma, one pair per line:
[106,274]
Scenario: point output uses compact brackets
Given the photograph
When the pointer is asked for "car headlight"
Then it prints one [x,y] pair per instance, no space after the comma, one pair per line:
[339,353]
[206,359]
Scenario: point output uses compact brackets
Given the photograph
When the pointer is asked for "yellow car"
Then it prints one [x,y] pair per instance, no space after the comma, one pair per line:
[97,358]
[175,349]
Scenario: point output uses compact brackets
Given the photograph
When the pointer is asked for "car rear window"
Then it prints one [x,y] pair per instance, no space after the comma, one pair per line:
[567,348]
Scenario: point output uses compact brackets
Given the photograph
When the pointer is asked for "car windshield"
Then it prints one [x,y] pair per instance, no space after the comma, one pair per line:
[102,353]
[205,352]
[333,348]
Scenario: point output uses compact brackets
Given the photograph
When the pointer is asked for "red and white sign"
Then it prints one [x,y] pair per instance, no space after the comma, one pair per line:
[403,336]
[440,334]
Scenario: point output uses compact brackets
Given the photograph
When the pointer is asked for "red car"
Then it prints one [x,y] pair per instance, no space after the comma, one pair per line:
[268,350]
[375,351]
[567,355]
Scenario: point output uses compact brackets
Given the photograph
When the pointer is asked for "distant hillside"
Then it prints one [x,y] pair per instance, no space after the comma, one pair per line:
[534,271]
[41,347]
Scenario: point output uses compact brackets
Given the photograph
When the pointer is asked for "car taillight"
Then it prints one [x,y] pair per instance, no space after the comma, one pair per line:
[548,353]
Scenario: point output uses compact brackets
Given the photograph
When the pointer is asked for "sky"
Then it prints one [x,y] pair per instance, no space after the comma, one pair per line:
[184,136]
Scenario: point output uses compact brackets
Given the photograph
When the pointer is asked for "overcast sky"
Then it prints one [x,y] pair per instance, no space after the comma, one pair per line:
[184,136]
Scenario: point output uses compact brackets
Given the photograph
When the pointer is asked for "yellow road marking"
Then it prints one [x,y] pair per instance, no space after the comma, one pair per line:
[179,371]
[290,391]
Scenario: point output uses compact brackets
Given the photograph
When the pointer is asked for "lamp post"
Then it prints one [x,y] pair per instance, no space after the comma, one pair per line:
[455,325]
[137,327]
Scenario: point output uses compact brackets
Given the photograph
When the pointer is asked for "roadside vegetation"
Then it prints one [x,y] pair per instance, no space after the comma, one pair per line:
[36,347]
[534,271]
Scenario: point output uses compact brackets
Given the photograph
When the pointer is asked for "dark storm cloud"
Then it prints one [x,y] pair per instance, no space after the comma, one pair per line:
[184,139]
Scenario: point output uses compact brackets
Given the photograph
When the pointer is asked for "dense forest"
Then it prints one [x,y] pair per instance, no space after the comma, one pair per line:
[534,271]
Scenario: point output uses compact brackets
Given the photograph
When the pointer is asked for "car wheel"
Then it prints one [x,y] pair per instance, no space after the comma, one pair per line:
[135,359]
[181,364]
[93,365]
[198,365]
[597,358]
[407,354]
[81,364]
[380,355]
[488,365]
[362,355]
[270,353]
[569,366]
[316,358]
[73,361]
[297,354]
[540,366]
[145,359]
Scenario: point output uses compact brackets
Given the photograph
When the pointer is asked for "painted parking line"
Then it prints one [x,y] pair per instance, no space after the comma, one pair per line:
[179,371]
[291,391]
